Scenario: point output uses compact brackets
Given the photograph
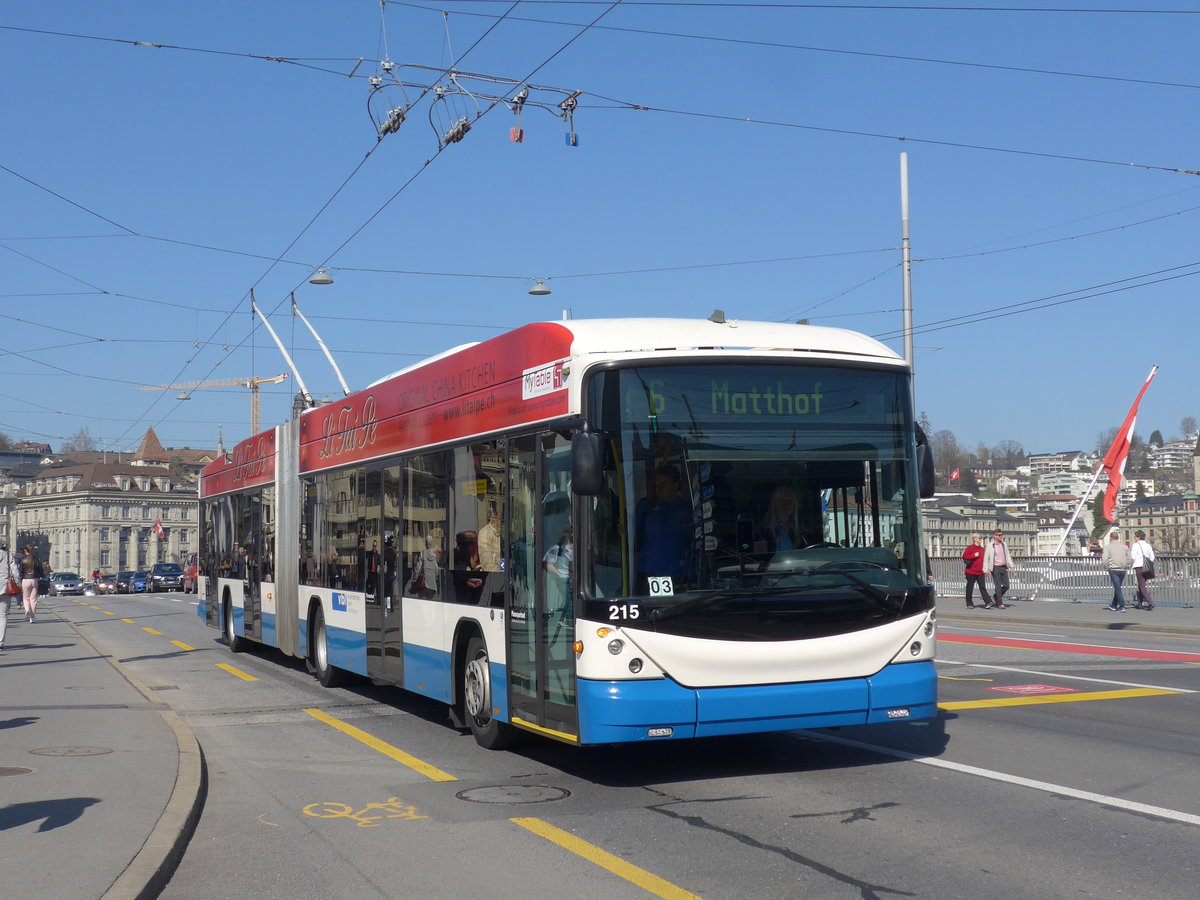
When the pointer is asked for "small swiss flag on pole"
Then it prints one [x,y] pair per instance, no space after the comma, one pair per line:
[158,530]
[954,475]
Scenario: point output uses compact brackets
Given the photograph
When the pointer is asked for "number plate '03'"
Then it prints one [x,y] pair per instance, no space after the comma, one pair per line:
[661,586]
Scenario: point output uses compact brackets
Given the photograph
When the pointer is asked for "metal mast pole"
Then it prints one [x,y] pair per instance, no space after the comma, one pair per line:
[906,269]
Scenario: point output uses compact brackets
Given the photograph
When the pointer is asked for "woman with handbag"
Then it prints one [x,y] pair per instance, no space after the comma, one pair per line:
[1143,569]
[11,589]
[31,574]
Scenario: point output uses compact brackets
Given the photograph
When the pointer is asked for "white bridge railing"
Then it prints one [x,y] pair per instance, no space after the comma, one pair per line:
[1077,579]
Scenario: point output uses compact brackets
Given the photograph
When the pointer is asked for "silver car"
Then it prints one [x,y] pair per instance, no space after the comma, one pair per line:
[66,583]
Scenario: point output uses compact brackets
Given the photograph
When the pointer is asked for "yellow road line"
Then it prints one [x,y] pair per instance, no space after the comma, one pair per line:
[963,678]
[647,881]
[431,772]
[130,621]
[182,646]
[1054,698]
[245,676]
[151,630]
[108,612]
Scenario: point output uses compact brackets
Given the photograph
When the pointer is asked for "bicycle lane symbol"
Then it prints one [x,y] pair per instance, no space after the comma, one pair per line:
[393,808]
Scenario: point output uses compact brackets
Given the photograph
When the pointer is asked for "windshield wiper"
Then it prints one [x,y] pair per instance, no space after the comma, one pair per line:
[885,597]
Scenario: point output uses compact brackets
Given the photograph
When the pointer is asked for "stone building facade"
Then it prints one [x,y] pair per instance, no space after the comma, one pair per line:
[84,513]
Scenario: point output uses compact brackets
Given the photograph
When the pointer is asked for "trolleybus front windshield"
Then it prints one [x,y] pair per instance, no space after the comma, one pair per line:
[753,501]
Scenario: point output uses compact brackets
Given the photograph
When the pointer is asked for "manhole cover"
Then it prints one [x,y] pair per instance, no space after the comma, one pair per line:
[14,770]
[71,751]
[513,793]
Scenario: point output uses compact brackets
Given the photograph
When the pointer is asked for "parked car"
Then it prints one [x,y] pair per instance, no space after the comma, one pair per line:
[139,583]
[125,582]
[62,583]
[166,577]
[106,584]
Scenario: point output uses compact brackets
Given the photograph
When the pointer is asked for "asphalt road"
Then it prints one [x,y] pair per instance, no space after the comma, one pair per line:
[1057,770]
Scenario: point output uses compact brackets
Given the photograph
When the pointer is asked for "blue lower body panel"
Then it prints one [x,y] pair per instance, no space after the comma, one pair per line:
[427,672]
[618,711]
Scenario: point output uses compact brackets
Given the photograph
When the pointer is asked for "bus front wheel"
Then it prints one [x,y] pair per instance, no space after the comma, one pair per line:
[477,699]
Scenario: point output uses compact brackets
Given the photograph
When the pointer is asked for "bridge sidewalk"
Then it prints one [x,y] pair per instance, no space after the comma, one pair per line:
[100,783]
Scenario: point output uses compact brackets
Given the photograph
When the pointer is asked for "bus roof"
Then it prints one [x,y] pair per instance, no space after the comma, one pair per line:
[514,378]
[641,335]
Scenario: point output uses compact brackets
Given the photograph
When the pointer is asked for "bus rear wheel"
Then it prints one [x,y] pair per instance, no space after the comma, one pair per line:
[235,643]
[329,675]
[477,699]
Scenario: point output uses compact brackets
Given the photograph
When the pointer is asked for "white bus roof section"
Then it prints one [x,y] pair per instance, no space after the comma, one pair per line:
[610,336]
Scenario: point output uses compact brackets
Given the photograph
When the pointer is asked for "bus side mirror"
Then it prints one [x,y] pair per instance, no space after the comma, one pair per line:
[587,463]
[925,471]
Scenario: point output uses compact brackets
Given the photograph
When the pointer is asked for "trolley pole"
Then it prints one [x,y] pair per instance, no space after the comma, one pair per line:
[906,270]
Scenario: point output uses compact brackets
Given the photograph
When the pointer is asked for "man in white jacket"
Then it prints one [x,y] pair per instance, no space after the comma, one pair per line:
[996,562]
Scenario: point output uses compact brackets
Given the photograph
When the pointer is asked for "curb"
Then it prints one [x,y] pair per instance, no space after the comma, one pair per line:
[152,868]
[149,872]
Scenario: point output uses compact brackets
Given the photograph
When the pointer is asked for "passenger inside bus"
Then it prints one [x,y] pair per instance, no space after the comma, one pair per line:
[663,524]
[779,527]
[467,572]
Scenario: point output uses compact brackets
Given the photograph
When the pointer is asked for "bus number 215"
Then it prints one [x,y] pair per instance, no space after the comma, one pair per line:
[623,612]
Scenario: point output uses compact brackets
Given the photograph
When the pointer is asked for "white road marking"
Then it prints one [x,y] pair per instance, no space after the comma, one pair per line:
[1130,684]
[1033,634]
[1046,786]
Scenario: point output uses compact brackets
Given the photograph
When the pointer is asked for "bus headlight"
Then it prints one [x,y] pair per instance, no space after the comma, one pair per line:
[635,665]
[915,648]
[929,628]
[616,646]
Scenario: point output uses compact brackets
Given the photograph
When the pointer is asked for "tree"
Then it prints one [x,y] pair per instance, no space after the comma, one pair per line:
[81,443]
[947,456]
[1188,426]
[1156,438]
[1100,524]
[967,480]
[1011,451]
[924,423]
[5,441]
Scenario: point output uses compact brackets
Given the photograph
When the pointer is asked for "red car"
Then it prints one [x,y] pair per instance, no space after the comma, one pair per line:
[190,572]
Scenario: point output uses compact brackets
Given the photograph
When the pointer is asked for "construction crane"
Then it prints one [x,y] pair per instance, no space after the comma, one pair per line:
[249,383]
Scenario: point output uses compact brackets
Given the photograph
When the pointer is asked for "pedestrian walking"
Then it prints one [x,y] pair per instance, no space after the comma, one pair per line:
[1116,560]
[1143,569]
[31,574]
[10,575]
[973,558]
[996,562]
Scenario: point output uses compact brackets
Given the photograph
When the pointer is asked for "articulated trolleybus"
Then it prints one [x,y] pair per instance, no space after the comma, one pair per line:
[597,531]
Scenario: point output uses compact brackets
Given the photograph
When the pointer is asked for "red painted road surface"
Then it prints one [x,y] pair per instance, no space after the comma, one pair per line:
[1060,647]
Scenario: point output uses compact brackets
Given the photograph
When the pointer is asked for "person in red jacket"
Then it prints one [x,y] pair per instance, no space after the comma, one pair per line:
[973,557]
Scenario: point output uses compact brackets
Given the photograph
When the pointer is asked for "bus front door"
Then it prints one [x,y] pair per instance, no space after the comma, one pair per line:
[541,658]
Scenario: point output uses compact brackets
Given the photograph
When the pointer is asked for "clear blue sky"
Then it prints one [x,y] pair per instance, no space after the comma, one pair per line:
[146,190]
